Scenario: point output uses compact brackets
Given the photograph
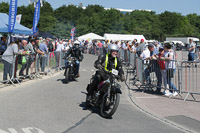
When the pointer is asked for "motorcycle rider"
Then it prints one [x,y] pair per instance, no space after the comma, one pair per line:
[105,64]
[75,51]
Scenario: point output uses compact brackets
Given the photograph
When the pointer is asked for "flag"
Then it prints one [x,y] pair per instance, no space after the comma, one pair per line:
[73,33]
[18,18]
[36,17]
[12,15]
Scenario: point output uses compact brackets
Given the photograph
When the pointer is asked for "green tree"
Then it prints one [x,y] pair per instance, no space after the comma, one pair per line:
[47,20]
[4,7]
[27,15]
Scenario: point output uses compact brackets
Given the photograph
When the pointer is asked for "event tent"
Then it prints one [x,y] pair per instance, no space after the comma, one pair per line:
[91,36]
[124,37]
[19,29]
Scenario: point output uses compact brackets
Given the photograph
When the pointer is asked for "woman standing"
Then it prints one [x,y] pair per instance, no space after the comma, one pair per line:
[171,69]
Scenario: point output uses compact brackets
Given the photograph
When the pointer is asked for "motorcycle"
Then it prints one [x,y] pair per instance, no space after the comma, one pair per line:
[107,95]
[70,69]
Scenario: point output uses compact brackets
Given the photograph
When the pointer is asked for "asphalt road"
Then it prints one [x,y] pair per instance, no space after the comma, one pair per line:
[51,106]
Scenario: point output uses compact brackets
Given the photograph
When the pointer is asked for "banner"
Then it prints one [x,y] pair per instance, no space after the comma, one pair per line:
[18,18]
[36,17]
[12,15]
[73,33]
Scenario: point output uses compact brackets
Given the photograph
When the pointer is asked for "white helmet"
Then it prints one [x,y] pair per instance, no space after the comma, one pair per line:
[112,47]
[76,42]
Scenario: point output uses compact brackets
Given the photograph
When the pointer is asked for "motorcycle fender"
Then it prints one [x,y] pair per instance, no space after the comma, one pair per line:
[117,90]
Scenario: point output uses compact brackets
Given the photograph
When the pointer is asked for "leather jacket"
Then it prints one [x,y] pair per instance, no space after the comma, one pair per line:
[100,64]
[74,52]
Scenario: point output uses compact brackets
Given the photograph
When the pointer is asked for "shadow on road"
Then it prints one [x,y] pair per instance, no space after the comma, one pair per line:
[65,82]
[93,109]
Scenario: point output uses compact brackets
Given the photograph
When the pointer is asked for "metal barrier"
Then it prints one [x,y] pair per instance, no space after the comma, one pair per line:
[140,70]
[151,75]
[190,78]
[36,64]
[132,59]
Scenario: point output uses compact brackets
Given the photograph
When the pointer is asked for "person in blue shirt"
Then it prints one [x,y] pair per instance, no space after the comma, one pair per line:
[43,57]
[153,67]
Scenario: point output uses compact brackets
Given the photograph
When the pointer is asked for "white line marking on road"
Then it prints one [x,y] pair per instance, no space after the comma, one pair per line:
[25,130]
[28,130]
[84,69]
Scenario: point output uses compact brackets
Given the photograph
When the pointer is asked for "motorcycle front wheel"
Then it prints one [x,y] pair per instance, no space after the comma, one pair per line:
[109,105]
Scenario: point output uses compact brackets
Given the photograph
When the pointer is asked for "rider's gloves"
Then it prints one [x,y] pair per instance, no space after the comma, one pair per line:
[99,66]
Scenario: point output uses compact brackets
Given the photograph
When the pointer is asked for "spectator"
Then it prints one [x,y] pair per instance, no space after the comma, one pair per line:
[171,69]
[58,52]
[27,48]
[141,47]
[3,45]
[145,55]
[153,67]
[191,49]
[43,57]
[133,48]
[157,45]
[161,63]
[8,58]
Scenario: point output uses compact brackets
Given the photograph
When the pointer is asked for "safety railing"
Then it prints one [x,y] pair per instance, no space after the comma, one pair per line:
[190,75]
[34,66]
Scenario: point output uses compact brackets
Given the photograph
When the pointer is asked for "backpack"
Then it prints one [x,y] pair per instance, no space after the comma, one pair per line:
[50,46]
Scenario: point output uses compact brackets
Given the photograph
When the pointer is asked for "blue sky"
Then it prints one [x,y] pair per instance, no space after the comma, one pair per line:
[181,6]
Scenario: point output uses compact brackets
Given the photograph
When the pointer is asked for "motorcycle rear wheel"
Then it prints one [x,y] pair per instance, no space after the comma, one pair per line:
[67,75]
[107,111]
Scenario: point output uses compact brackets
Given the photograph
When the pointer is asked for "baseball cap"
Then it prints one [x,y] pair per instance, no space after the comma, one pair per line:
[161,48]
[142,40]
[150,45]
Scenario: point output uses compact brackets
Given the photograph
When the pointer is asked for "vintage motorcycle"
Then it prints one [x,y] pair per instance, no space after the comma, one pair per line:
[70,69]
[107,96]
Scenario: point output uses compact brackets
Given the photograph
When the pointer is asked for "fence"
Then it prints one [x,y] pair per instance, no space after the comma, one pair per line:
[189,78]
[35,66]
[183,79]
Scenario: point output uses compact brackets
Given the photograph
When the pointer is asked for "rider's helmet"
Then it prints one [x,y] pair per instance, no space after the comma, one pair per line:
[76,43]
[112,47]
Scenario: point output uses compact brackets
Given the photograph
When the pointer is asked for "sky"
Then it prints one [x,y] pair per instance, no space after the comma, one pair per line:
[159,6]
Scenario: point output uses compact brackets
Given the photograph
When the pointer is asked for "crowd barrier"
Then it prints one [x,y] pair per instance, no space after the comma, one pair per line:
[190,74]
[35,66]
[185,79]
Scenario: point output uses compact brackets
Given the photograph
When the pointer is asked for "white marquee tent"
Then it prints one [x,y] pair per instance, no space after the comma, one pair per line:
[124,37]
[91,36]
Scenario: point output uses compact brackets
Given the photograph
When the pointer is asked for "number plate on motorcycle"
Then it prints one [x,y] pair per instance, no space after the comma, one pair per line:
[114,71]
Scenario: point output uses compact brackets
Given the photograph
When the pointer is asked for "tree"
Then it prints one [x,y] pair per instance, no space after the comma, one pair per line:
[4,7]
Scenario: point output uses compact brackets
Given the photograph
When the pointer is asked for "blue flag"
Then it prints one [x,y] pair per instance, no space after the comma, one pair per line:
[36,17]
[12,15]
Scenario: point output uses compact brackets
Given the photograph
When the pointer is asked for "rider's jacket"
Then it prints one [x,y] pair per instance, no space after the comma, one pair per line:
[74,52]
[108,63]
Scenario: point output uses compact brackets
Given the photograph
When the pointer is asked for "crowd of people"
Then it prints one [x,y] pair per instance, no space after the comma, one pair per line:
[26,51]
